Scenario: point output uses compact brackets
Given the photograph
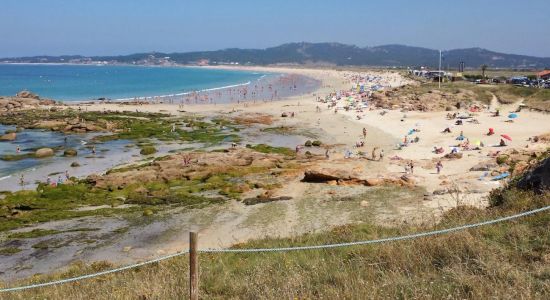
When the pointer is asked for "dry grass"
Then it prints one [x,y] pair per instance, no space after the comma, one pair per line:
[500,73]
[505,261]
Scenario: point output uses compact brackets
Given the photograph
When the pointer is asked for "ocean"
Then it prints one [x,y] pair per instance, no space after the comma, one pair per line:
[91,82]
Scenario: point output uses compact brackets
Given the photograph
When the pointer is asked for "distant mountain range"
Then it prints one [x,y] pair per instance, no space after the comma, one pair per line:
[317,53]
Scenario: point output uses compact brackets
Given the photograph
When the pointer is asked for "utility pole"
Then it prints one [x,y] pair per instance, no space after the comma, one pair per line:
[439,69]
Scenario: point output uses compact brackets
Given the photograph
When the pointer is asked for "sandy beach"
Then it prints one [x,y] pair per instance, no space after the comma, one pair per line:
[313,206]
[385,131]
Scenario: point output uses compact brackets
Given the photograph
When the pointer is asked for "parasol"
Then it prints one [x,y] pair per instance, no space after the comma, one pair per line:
[505,136]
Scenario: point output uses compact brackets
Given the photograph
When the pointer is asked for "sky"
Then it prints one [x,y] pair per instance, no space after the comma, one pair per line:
[112,27]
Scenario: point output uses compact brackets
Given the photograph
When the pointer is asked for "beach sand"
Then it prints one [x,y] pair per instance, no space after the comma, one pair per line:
[386,131]
[312,208]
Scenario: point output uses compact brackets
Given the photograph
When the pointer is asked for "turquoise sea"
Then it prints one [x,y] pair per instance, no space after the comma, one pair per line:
[89,82]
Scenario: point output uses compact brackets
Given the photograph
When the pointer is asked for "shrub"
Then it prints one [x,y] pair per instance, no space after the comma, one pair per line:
[501,159]
[316,143]
[307,143]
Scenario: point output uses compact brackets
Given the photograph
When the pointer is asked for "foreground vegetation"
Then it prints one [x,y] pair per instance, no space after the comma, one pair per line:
[506,93]
[506,260]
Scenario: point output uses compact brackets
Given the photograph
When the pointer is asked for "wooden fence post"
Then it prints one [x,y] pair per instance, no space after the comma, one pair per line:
[193,267]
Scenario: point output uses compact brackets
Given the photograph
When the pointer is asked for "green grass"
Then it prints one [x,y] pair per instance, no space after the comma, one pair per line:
[505,260]
[32,234]
[289,130]
[147,150]
[9,251]
[25,208]
[131,125]
[263,148]
[17,157]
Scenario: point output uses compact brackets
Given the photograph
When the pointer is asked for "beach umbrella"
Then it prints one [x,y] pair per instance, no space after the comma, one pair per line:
[505,136]
[512,116]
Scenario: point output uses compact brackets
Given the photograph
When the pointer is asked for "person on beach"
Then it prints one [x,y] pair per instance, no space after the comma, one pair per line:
[326,154]
[48,180]
[411,166]
[18,149]
[67,174]
[381,155]
[438,167]
[59,180]
[364,132]
[93,150]
[347,153]
[21,180]
[297,149]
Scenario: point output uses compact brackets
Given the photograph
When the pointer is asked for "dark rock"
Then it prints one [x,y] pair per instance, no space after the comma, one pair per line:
[537,179]
[484,166]
[453,155]
[70,152]
[262,199]
[318,176]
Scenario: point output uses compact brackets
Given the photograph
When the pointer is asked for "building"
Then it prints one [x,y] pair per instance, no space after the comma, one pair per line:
[544,75]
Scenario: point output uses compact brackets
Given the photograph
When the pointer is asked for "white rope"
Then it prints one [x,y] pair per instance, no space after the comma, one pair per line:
[92,275]
[391,239]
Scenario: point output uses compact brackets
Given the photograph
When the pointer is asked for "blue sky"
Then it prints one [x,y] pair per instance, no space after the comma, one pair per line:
[106,27]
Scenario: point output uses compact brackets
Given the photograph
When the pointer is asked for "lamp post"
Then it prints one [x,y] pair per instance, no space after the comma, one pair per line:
[439,69]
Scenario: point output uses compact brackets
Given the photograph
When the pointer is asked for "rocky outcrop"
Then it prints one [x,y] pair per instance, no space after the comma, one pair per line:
[344,177]
[317,176]
[453,155]
[23,100]
[10,104]
[8,137]
[537,179]
[195,166]
[44,152]
[27,94]
[70,152]
[484,166]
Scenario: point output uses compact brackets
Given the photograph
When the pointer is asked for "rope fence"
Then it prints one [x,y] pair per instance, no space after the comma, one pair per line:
[282,249]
